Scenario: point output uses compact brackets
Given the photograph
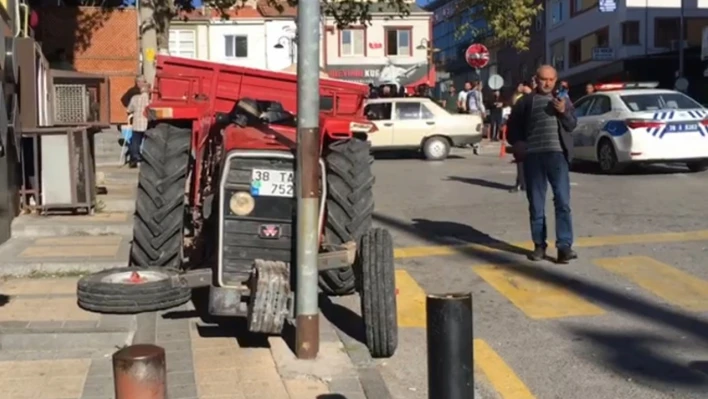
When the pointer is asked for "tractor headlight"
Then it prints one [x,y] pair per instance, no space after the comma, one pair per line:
[241,203]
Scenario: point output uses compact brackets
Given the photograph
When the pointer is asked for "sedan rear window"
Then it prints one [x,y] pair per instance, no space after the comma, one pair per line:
[656,101]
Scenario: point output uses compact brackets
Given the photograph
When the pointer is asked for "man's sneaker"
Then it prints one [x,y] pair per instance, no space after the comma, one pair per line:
[565,255]
[538,253]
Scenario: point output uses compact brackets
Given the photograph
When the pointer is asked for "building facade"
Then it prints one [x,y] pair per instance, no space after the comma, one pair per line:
[388,50]
[451,43]
[587,40]
[516,66]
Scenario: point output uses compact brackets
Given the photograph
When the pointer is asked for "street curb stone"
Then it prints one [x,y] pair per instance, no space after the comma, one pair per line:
[24,269]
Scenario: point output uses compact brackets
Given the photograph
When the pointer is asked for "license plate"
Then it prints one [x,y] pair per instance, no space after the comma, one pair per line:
[272,183]
[682,127]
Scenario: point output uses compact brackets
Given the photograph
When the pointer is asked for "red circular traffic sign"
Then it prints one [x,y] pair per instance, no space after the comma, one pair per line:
[477,55]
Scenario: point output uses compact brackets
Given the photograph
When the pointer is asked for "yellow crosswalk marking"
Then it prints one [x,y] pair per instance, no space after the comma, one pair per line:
[673,285]
[410,301]
[502,378]
[582,242]
[536,298]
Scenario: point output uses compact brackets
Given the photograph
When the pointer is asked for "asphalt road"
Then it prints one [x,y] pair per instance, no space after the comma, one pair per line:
[629,319]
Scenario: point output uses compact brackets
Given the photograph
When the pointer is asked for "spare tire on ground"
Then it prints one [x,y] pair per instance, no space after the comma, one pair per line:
[130,290]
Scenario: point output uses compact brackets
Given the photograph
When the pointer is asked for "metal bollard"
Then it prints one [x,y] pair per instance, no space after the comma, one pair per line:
[450,357]
[139,372]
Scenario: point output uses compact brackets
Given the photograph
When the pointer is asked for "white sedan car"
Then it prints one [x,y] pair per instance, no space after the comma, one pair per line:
[418,123]
[623,123]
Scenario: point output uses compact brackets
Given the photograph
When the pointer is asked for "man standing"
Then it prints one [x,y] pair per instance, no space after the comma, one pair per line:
[539,131]
[462,98]
[136,109]
[450,100]
[523,89]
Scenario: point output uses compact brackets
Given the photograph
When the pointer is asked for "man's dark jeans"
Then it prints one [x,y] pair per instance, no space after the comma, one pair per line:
[136,140]
[539,170]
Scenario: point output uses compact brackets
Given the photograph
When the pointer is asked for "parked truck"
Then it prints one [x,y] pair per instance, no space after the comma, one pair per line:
[216,202]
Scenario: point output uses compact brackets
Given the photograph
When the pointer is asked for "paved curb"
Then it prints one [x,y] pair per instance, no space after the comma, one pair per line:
[27,269]
[33,230]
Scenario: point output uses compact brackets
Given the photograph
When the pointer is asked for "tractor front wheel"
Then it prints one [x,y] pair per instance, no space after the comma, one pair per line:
[159,210]
[350,205]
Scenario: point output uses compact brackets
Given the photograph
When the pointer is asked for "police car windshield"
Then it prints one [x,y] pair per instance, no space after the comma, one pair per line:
[657,101]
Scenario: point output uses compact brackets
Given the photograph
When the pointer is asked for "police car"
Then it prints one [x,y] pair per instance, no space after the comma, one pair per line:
[623,123]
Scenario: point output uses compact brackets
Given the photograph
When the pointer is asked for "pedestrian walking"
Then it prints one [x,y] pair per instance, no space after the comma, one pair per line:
[136,108]
[523,89]
[540,127]
[474,103]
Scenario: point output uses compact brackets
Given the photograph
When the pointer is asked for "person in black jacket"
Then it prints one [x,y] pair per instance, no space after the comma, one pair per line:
[539,130]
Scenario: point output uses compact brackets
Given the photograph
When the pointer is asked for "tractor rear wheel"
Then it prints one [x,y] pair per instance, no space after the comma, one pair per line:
[350,205]
[160,205]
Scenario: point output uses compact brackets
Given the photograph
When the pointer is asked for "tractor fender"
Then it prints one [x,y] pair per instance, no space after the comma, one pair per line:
[10,62]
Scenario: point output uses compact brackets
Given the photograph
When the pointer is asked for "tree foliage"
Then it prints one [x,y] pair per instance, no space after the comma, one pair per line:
[508,21]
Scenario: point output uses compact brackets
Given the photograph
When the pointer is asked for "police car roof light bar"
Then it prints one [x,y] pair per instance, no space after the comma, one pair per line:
[626,85]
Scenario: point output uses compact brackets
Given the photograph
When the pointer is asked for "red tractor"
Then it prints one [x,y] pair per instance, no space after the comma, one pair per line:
[216,205]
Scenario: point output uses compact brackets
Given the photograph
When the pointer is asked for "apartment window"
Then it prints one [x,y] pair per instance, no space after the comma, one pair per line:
[398,42]
[236,46]
[666,30]
[556,12]
[352,42]
[583,5]
[580,50]
[630,33]
[558,55]
[183,43]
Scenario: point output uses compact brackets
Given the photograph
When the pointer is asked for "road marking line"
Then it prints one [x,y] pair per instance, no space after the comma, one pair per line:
[536,298]
[502,378]
[582,242]
[672,285]
[410,301]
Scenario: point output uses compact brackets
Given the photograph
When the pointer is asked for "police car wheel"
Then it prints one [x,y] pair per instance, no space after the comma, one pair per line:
[607,158]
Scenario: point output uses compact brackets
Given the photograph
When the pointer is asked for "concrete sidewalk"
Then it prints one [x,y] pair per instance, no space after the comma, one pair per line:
[51,349]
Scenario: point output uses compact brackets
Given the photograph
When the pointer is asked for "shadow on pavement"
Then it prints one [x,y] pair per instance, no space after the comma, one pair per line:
[587,168]
[343,318]
[221,327]
[451,233]
[4,300]
[331,396]
[603,296]
[481,182]
[634,354]
[401,155]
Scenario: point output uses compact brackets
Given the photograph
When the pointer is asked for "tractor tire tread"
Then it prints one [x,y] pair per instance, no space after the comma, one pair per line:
[159,210]
[350,206]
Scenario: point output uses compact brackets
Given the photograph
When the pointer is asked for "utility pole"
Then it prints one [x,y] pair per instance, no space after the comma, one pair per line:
[307,339]
[148,39]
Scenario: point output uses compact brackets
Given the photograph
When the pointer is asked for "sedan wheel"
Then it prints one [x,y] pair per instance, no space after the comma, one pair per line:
[436,148]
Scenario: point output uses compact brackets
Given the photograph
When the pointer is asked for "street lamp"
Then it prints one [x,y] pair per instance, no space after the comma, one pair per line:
[290,42]
[425,44]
